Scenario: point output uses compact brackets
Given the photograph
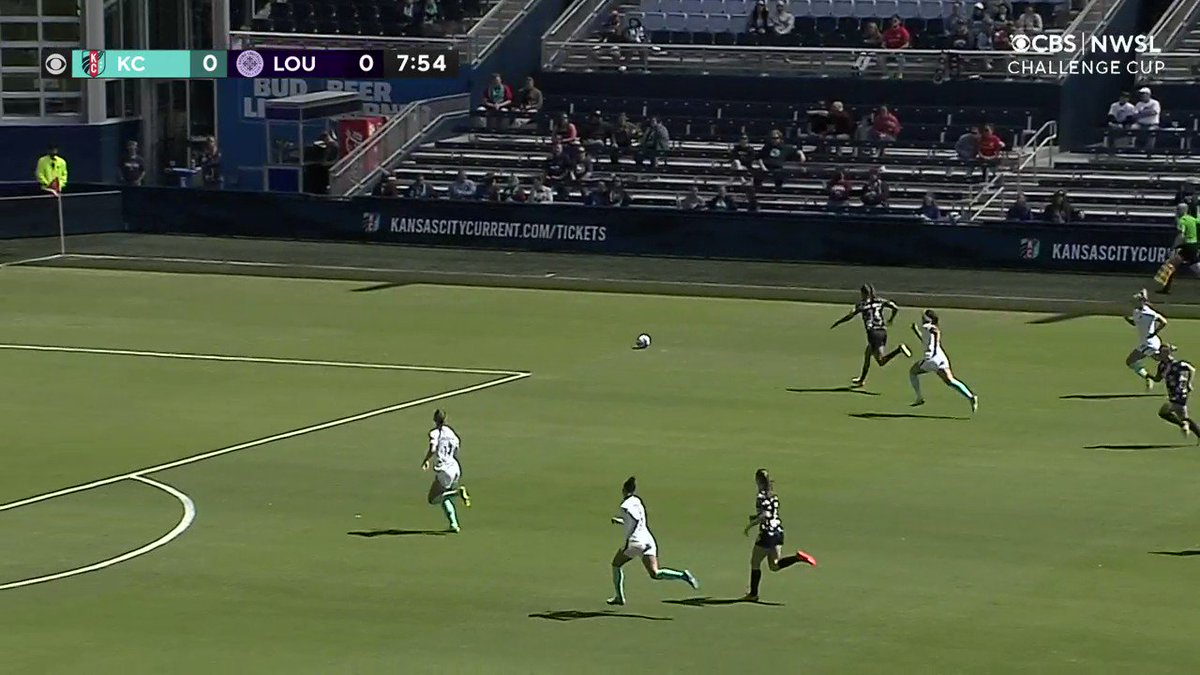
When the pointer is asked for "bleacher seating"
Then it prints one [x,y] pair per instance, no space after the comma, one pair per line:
[365,17]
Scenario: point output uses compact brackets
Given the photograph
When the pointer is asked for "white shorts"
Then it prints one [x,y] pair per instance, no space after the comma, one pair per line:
[935,364]
[637,549]
[447,476]
[1148,348]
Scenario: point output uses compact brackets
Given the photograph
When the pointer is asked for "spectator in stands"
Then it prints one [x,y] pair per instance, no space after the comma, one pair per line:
[497,101]
[565,131]
[783,21]
[389,187]
[991,148]
[622,137]
[1059,211]
[985,31]
[594,132]
[742,154]
[540,193]
[210,165]
[1186,194]
[692,201]
[585,166]
[928,210]
[507,187]
[133,168]
[1121,116]
[420,189]
[1001,11]
[617,195]
[412,15]
[1002,38]
[760,18]
[837,191]
[979,13]
[655,143]
[598,195]
[966,148]
[722,201]
[841,124]
[486,189]
[874,192]
[558,168]
[885,126]
[614,28]
[872,38]
[1146,116]
[463,188]
[1030,22]
[958,15]
[772,159]
[635,34]
[895,39]
[1020,212]
[529,98]
[960,38]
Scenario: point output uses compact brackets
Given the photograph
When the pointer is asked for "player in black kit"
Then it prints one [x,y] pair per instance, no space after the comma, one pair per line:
[1178,375]
[769,545]
[871,308]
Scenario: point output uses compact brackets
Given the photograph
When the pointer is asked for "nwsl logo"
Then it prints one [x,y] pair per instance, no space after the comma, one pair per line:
[93,63]
[1030,248]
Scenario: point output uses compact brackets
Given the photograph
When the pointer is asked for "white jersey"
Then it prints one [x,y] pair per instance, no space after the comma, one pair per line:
[931,337]
[443,443]
[633,516]
[1146,320]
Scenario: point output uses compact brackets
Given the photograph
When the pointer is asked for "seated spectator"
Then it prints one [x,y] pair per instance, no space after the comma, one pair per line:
[722,201]
[558,168]
[999,8]
[990,148]
[760,18]
[497,100]
[507,188]
[958,16]
[420,189]
[838,190]
[1002,37]
[928,210]
[598,196]
[655,143]
[1019,212]
[872,38]
[885,126]
[692,201]
[960,38]
[635,34]
[896,39]
[529,98]
[432,11]
[486,189]
[1030,22]
[412,15]
[463,187]
[772,158]
[594,132]
[979,14]
[742,154]
[622,137]
[1059,211]
[874,192]
[841,125]
[984,32]
[566,131]
[617,195]
[1146,115]
[783,21]
[540,193]
[584,167]
[1121,113]
[390,187]
[614,28]
[966,148]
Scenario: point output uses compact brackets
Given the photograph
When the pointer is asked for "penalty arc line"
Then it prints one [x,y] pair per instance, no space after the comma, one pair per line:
[185,521]
[313,428]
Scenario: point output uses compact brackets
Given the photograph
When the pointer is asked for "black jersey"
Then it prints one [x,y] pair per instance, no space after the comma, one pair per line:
[1178,376]
[872,313]
[767,506]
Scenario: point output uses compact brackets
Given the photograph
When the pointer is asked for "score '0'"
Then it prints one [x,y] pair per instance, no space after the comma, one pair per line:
[366,63]
[209,63]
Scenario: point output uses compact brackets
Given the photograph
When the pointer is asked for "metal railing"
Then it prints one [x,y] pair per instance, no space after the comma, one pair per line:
[492,33]
[355,173]
[1175,22]
[575,25]
[1045,136]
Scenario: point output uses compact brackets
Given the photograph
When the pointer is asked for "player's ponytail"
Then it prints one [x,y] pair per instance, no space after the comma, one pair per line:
[630,485]
[763,479]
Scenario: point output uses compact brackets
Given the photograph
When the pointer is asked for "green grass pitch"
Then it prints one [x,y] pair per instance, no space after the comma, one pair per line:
[1022,540]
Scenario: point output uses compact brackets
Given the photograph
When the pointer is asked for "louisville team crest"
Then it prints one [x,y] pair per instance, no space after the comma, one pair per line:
[1030,248]
[370,221]
[93,62]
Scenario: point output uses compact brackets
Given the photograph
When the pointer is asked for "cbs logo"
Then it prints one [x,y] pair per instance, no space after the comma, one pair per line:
[56,64]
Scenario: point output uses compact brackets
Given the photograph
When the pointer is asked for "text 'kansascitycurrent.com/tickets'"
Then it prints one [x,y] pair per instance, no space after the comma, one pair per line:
[431,62]
[374,222]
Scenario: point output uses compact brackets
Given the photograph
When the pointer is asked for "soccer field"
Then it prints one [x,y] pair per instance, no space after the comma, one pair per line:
[267,514]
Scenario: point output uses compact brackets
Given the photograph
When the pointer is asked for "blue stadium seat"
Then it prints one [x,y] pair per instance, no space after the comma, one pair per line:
[676,21]
[865,9]
[932,9]
[654,22]
[908,9]
[843,8]
[887,8]
[693,7]
[720,23]
[821,8]
[848,26]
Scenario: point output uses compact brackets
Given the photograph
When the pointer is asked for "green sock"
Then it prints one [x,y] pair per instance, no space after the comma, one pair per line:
[666,573]
[1137,368]
[619,583]
[451,514]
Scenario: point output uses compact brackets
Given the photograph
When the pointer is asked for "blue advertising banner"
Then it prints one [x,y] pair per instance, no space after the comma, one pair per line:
[812,237]
[241,104]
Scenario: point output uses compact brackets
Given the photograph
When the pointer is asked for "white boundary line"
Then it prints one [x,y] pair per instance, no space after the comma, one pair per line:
[256,359]
[29,261]
[185,521]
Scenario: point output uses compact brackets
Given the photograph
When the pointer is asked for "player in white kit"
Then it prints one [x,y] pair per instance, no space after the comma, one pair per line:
[1148,324]
[639,543]
[934,360]
[443,453]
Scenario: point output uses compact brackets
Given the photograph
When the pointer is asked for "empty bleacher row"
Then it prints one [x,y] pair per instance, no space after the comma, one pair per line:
[367,17]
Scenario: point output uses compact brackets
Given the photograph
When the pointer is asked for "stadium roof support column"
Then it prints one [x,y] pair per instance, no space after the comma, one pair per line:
[220,24]
[93,38]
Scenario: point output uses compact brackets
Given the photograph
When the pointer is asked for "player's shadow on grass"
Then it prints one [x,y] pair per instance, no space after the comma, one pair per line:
[717,602]
[901,416]
[377,287]
[1129,447]
[833,390]
[398,533]
[1058,318]
[1105,397]
[575,615]
[1178,554]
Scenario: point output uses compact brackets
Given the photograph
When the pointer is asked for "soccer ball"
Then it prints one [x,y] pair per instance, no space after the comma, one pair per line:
[643,341]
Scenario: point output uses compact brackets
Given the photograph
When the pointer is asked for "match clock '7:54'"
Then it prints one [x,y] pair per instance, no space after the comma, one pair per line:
[422,63]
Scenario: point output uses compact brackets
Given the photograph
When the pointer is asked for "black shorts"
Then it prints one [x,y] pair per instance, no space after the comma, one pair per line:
[769,541]
[877,338]
[1190,253]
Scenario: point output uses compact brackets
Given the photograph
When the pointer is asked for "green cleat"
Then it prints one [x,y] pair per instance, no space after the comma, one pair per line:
[462,492]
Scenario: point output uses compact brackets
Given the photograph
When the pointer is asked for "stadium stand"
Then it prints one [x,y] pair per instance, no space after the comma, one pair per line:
[370,17]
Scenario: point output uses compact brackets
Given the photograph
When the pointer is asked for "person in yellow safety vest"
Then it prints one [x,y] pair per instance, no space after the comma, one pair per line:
[52,170]
[1187,242]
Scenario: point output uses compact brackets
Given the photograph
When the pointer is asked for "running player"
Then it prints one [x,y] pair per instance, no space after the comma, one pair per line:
[769,544]
[443,452]
[1148,323]
[1178,375]
[639,543]
[871,309]
[935,361]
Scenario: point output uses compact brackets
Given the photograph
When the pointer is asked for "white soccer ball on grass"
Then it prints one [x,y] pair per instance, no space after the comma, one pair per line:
[643,341]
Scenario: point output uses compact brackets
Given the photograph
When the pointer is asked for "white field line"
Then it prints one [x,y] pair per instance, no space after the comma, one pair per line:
[313,428]
[256,359]
[185,521]
[560,277]
[30,261]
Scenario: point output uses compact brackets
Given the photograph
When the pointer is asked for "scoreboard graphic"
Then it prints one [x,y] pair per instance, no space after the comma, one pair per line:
[250,63]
